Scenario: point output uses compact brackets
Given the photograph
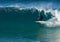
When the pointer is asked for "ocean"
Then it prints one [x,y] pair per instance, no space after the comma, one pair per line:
[29,25]
[18,25]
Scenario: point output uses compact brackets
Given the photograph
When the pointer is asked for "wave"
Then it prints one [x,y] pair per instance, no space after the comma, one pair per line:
[14,15]
[49,17]
[31,13]
[54,21]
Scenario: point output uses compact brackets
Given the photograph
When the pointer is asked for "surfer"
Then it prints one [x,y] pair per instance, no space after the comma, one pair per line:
[40,17]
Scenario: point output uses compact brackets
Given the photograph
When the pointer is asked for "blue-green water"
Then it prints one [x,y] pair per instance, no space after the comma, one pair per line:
[18,24]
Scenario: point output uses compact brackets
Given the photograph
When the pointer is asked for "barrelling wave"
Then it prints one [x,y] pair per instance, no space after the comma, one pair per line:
[27,12]
[20,22]
[32,14]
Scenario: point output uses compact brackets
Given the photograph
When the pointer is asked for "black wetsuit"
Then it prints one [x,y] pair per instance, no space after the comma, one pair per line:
[40,18]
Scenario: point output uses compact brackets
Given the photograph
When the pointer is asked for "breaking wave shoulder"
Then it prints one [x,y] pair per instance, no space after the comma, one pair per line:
[54,21]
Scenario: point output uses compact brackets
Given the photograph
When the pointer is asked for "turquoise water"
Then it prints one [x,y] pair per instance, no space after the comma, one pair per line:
[18,25]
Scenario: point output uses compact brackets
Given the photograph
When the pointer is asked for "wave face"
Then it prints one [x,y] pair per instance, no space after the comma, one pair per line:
[28,14]
[31,13]
[18,24]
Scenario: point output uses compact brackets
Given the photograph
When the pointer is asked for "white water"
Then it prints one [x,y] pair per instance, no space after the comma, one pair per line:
[52,29]
[54,21]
